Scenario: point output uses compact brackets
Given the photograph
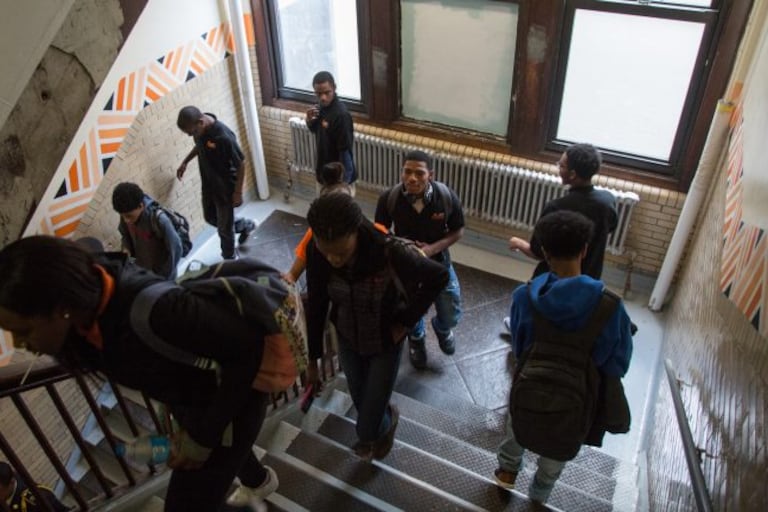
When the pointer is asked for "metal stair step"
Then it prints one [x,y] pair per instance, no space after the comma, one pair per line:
[465,444]
[377,483]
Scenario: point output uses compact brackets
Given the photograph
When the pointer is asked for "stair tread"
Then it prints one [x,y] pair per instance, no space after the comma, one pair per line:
[308,492]
[446,413]
[458,468]
[380,479]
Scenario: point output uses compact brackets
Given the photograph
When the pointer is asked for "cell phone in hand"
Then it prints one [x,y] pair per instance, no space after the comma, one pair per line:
[307,398]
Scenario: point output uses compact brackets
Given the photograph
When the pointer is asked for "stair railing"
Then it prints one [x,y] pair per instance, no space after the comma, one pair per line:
[692,452]
[15,382]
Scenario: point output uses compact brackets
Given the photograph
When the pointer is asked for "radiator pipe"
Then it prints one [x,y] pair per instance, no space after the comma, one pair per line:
[248,97]
[708,164]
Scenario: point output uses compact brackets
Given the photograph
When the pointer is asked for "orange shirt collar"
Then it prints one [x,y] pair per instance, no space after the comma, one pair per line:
[93,333]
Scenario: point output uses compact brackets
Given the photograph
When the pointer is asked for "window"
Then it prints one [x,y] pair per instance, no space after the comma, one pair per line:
[626,81]
[316,35]
[527,77]
[443,81]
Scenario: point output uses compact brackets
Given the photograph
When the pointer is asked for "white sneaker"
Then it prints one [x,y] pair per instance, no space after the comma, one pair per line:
[506,324]
[244,495]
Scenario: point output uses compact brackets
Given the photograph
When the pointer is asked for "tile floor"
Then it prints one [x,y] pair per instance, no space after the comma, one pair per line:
[479,371]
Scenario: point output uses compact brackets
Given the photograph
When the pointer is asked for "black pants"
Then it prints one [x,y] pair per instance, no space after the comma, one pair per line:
[205,489]
[219,212]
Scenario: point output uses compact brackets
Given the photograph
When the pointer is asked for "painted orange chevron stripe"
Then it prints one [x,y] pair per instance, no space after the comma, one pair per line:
[231,42]
[212,36]
[43,227]
[120,94]
[163,76]
[168,58]
[250,37]
[129,95]
[67,229]
[746,297]
[110,147]
[68,214]
[74,182]
[67,201]
[112,133]
[116,118]
[152,95]
[83,166]
[159,87]
[177,62]
[196,68]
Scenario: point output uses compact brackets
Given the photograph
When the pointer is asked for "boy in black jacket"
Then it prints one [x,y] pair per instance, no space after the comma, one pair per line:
[378,289]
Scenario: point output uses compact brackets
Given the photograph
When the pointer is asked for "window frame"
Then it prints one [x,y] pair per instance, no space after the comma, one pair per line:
[534,106]
[707,17]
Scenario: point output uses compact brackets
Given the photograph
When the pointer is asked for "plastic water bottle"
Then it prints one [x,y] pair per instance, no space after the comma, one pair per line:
[146,449]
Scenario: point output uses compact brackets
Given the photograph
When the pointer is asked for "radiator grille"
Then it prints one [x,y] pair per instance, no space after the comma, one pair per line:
[493,192]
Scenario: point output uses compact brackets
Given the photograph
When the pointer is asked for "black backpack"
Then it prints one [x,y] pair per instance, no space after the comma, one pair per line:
[555,387]
[180,224]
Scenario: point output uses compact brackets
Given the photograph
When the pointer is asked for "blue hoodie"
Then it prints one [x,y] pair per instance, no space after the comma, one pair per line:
[568,303]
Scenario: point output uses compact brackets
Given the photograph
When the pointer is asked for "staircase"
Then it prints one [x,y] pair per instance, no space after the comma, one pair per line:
[443,459]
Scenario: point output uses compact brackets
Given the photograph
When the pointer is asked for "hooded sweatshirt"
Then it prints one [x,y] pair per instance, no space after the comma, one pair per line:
[568,303]
[158,250]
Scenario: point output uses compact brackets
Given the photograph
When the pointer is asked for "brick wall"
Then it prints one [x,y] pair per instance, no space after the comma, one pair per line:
[154,147]
[724,362]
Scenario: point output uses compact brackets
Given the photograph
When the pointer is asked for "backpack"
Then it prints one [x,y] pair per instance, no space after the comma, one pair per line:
[254,291]
[395,243]
[555,387]
[180,225]
[444,194]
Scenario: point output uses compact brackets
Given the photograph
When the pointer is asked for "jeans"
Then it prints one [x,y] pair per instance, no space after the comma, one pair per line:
[219,212]
[448,308]
[206,488]
[371,379]
[510,458]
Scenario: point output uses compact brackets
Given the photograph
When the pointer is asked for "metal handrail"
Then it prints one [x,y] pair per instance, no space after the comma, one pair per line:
[44,374]
[18,378]
[692,454]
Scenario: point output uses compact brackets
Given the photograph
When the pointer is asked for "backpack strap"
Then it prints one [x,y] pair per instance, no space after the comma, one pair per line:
[155,210]
[392,199]
[597,320]
[446,197]
[141,309]
[443,191]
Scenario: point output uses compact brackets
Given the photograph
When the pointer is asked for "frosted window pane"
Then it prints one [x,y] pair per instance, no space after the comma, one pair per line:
[627,81]
[319,35]
[458,62]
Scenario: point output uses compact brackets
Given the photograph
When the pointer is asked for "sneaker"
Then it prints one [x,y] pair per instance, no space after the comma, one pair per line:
[417,352]
[244,495]
[506,324]
[505,479]
[363,450]
[244,234]
[447,343]
[383,446]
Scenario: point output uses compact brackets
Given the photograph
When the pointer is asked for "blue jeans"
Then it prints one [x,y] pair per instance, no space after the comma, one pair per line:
[371,379]
[510,458]
[448,308]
